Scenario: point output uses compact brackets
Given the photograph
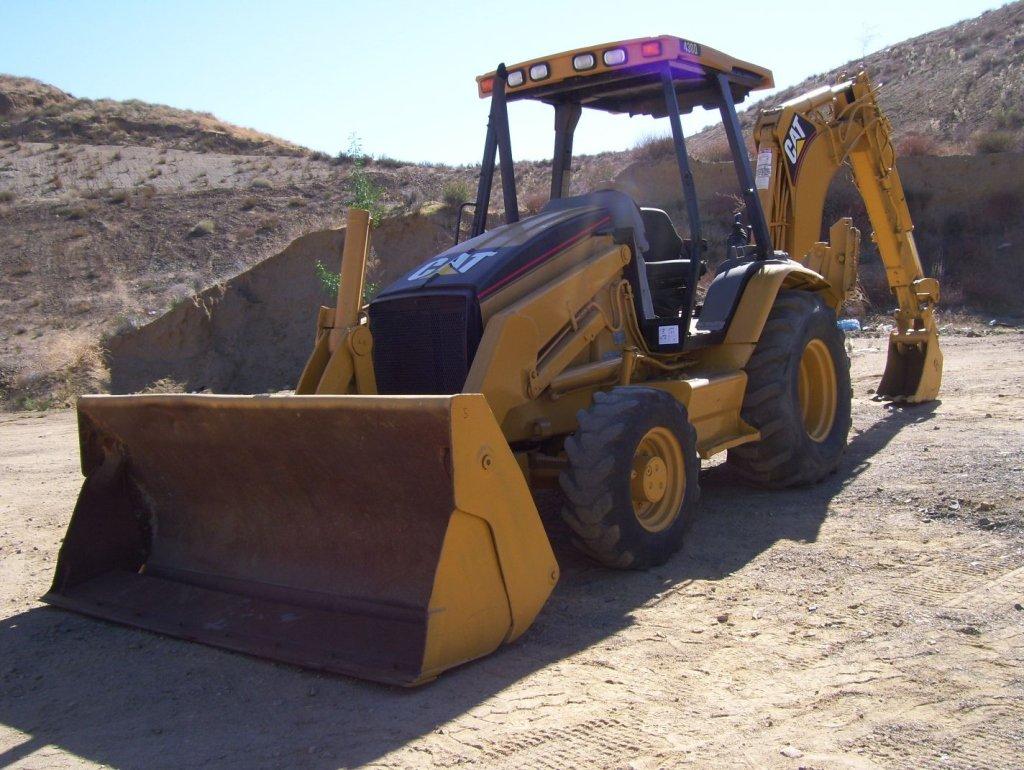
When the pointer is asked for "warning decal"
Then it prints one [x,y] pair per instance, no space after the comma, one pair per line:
[763,171]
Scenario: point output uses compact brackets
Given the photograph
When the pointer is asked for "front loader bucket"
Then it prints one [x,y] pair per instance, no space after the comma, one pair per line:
[913,368]
[386,537]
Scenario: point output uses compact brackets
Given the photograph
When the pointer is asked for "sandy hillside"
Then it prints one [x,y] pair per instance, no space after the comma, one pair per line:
[955,90]
[874,620]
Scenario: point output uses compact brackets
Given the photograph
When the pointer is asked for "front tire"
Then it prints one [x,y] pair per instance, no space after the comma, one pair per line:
[798,395]
[632,482]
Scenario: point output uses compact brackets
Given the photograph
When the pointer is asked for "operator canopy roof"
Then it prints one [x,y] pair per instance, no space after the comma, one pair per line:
[625,76]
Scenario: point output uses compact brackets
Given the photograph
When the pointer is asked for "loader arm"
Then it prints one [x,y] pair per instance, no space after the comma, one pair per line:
[801,144]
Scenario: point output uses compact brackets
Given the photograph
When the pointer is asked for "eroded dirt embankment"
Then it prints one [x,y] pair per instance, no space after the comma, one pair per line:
[253,333]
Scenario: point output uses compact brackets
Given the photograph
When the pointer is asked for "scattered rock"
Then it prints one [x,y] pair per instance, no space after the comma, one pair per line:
[723,617]
[792,752]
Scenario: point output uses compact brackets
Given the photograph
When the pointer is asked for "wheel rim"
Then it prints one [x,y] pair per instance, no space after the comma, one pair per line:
[657,479]
[816,390]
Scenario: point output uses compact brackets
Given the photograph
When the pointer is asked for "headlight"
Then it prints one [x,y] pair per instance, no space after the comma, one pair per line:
[584,61]
[539,71]
[614,56]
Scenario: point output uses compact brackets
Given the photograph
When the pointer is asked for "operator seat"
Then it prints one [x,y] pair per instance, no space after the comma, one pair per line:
[660,270]
[664,243]
[667,264]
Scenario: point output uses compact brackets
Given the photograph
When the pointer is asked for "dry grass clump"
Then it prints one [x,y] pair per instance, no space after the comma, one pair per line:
[654,147]
[76,210]
[165,385]
[6,196]
[915,144]
[70,368]
[202,228]
[534,202]
[714,152]
[988,142]
[268,224]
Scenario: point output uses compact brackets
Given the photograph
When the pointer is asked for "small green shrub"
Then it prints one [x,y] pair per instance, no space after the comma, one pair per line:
[1009,117]
[455,193]
[330,282]
[6,196]
[366,194]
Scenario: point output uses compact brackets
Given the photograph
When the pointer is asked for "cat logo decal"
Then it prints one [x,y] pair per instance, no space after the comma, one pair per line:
[798,136]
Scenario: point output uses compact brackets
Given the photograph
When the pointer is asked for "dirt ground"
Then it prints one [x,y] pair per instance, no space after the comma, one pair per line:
[874,620]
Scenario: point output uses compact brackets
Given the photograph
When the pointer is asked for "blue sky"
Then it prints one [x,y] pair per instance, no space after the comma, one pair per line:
[400,74]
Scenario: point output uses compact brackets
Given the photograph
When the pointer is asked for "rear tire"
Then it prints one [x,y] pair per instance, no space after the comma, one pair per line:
[632,482]
[798,395]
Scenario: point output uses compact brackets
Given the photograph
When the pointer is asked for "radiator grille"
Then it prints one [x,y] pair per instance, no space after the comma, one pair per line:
[423,345]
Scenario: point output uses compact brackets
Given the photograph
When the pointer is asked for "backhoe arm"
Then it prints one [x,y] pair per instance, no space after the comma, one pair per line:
[801,144]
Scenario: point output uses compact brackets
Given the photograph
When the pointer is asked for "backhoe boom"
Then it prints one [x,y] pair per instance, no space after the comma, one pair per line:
[801,144]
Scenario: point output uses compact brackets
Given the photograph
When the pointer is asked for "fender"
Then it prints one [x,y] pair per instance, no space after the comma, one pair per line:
[760,292]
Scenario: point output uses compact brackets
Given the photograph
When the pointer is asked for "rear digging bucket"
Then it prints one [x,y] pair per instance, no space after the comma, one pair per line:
[913,367]
[386,537]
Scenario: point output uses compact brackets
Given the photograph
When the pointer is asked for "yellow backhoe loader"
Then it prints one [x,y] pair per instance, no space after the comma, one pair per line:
[380,522]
